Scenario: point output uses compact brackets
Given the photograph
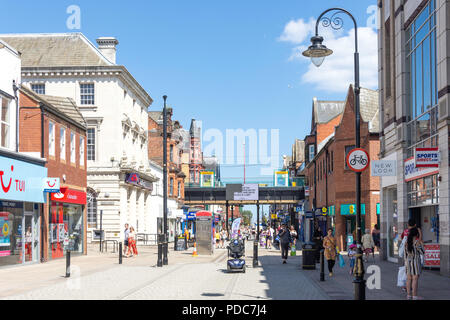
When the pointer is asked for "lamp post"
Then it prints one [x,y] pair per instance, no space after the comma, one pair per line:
[165,243]
[318,52]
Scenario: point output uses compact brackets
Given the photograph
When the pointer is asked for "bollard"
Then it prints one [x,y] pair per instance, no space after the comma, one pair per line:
[166,249]
[175,243]
[322,265]
[255,254]
[160,262]
[120,253]
[68,264]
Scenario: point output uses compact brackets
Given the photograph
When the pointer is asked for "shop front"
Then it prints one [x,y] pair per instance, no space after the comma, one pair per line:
[66,222]
[21,196]
[348,211]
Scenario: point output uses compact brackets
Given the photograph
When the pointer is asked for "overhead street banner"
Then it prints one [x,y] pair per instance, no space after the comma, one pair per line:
[242,192]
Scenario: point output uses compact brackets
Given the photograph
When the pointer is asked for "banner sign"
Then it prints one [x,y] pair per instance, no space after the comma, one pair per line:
[413,173]
[235,227]
[383,168]
[427,157]
[51,185]
[249,192]
[281,179]
[207,179]
[70,196]
[432,255]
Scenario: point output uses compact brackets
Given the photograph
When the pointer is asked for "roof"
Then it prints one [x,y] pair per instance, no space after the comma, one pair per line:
[369,109]
[324,111]
[156,116]
[63,105]
[56,50]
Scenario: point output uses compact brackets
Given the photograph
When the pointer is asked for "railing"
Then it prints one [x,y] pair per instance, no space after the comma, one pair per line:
[146,238]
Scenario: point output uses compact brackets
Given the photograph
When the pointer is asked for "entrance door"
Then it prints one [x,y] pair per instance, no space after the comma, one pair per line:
[31,235]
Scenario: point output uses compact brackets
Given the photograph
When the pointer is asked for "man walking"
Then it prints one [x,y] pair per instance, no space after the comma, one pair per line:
[125,242]
[285,241]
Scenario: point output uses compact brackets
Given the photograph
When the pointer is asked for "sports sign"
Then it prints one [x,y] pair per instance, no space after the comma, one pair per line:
[358,160]
[427,157]
[413,173]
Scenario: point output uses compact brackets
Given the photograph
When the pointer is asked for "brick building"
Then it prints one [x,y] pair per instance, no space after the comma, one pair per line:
[332,185]
[176,177]
[54,129]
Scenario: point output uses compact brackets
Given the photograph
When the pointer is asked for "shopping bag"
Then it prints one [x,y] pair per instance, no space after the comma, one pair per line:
[293,251]
[401,278]
[341,261]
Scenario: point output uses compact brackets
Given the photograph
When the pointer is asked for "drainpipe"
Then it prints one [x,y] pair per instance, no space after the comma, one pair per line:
[15,89]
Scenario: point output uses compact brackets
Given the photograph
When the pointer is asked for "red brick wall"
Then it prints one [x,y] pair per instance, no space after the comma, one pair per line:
[30,141]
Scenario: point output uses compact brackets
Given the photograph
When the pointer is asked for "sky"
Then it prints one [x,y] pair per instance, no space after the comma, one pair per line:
[231,64]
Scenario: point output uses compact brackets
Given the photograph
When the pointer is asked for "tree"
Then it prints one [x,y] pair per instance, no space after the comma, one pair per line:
[246,217]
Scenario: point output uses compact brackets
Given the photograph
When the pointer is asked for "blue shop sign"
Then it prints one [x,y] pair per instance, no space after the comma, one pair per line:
[190,216]
[21,181]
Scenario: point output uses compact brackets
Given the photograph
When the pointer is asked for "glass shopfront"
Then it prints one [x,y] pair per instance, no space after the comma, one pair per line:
[392,223]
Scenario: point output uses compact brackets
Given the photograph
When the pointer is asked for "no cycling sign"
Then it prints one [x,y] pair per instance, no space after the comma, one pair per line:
[358,160]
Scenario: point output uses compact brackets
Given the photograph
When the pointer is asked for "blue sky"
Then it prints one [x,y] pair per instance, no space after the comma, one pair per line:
[232,64]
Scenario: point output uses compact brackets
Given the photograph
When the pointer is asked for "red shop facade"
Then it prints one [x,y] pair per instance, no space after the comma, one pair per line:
[67,223]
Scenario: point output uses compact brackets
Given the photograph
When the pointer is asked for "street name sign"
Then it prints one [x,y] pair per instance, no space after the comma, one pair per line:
[358,160]
[383,168]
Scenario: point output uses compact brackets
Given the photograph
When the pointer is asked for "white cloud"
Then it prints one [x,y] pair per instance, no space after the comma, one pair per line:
[337,71]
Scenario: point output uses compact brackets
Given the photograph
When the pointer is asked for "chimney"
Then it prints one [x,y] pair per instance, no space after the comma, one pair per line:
[107,46]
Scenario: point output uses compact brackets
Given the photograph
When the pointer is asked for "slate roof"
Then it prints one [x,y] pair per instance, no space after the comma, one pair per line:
[369,109]
[56,50]
[64,105]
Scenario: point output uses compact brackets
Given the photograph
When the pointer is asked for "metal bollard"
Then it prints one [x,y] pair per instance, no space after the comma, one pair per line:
[68,264]
[322,265]
[255,254]
[166,250]
[120,253]
[160,262]
[175,243]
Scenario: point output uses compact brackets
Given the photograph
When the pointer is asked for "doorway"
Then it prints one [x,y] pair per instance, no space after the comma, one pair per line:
[31,232]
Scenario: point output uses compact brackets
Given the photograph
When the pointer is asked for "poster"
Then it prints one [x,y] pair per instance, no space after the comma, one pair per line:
[61,232]
[432,255]
[5,234]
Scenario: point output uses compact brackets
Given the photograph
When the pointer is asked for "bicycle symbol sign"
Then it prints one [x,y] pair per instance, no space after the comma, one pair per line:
[358,160]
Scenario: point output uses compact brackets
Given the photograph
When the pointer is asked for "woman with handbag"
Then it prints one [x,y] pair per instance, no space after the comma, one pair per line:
[329,244]
[413,265]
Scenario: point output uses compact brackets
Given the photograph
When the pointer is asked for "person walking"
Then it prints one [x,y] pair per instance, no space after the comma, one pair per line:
[413,251]
[376,237]
[367,244]
[294,235]
[270,237]
[285,241]
[217,235]
[329,244]
[132,243]
[125,242]
[352,256]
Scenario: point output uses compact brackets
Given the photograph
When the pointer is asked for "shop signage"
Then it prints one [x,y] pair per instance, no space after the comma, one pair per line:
[413,173]
[51,185]
[281,179]
[432,256]
[358,160]
[273,216]
[383,168]
[69,196]
[134,179]
[207,179]
[21,181]
[306,191]
[427,157]
[250,192]
[190,216]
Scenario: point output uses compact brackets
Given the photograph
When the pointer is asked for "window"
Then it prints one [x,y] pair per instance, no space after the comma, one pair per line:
[72,148]
[81,151]
[332,161]
[422,81]
[5,121]
[91,209]
[62,143]
[387,58]
[91,144]
[179,189]
[171,153]
[87,94]
[171,186]
[347,150]
[311,152]
[51,138]
[38,88]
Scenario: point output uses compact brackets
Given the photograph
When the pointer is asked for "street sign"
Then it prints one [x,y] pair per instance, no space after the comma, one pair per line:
[358,160]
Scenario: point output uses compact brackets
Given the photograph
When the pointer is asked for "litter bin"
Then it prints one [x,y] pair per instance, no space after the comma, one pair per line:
[308,254]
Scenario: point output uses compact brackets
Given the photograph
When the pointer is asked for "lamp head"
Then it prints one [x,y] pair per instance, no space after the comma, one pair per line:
[317,51]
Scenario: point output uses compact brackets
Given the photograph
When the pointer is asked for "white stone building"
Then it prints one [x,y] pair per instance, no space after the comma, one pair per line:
[115,107]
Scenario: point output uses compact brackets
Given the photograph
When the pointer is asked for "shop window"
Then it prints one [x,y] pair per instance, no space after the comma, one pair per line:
[5,121]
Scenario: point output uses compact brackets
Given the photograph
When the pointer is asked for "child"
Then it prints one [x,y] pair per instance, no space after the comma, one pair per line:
[351,255]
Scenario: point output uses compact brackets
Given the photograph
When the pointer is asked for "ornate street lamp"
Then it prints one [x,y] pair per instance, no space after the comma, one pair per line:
[318,52]
[166,237]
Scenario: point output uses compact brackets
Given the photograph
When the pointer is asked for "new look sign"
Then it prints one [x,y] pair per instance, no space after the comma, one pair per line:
[383,168]
[427,157]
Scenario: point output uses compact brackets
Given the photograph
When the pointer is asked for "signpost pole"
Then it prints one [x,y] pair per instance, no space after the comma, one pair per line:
[101,230]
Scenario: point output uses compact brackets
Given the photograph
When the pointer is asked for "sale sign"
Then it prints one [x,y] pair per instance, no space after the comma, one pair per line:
[432,255]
